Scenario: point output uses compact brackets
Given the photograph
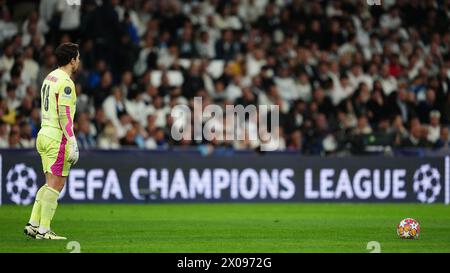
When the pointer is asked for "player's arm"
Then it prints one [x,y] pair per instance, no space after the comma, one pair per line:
[65,105]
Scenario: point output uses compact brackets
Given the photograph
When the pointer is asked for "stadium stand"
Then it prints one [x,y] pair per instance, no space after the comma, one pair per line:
[349,78]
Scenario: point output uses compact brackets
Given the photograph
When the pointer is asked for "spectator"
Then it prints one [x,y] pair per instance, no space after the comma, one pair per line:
[7,59]
[14,137]
[425,107]
[34,30]
[160,139]
[99,122]
[295,141]
[362,127]
[26,136]
[108,138]
[205,45]
[114,106]
[416,137]
[129,140]
[434,129]
[104,89]
[444,141]
[7,27]
[84,137]
[227,48]
[12,101]
[388,82]
[186,43]
[4,133]
[285,83]
[376,106]
[30,66]
[401,106]
[136,107]
[70,18]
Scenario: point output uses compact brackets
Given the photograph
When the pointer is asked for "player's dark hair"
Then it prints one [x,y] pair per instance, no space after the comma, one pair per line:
[65,53]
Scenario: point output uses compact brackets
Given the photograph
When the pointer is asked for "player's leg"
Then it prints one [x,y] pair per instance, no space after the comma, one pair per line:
[35,216]
[31,228]
[56,174]
[49,204]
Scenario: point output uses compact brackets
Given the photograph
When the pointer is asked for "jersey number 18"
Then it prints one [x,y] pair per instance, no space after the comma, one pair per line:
[45,93]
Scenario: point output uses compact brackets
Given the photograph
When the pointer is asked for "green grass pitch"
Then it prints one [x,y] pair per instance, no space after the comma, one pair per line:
[231,228]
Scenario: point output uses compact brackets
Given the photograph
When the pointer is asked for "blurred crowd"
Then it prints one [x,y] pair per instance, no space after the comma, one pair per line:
[348,77]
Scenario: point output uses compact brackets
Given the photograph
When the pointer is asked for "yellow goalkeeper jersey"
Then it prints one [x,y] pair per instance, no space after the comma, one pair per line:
[58,90]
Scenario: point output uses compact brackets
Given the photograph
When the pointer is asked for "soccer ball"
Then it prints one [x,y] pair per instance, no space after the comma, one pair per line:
[21,184]
[408,229]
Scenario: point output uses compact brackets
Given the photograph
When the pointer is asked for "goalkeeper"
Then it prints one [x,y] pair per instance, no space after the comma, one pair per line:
[56,142]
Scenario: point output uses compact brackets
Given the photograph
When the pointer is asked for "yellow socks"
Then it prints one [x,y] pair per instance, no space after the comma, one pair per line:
[36,212]
[49,202]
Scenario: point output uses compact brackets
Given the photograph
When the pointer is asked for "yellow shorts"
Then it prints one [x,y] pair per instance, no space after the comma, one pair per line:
[54,155]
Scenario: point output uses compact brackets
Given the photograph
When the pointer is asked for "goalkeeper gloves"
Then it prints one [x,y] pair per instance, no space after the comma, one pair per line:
[73,151]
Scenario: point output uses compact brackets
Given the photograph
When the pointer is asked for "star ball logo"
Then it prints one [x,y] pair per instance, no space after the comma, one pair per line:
[21,185]
[427,184]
